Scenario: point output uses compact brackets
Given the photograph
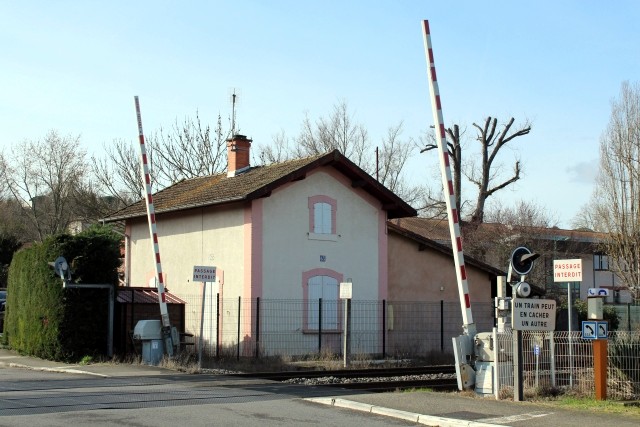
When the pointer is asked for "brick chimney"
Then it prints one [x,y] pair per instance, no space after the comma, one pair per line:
[238,150]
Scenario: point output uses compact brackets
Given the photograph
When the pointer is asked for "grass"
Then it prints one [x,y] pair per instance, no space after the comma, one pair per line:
[590,404]
[569,401]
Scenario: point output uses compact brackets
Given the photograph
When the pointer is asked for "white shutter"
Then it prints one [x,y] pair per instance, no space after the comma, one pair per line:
[314,294]
[329,303]
[322,218]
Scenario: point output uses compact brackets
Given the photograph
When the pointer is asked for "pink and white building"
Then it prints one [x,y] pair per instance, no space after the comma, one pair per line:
[291,230]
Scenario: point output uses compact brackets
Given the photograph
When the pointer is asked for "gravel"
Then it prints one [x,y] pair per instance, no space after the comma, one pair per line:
[338,380]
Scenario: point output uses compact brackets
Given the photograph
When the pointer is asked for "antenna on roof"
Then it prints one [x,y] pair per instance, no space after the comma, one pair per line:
[234,101]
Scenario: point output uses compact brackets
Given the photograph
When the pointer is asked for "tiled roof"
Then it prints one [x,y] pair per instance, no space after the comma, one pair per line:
[438,230]
[433,229]
[142,295]
[258,182]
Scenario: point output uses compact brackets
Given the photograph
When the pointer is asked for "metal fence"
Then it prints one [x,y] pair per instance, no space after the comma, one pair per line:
[393,329]
[298,328]
[629,315]
[565,360]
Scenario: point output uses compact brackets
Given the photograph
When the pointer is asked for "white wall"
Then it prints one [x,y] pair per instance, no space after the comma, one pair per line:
[197,237]
[288,250]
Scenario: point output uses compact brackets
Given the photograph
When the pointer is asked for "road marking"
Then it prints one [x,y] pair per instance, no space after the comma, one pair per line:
[428,420]
[514,418]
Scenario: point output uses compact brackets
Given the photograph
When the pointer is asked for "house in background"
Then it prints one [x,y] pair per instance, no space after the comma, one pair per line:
[586,245]
[552,243]
[292,230]
[422,275]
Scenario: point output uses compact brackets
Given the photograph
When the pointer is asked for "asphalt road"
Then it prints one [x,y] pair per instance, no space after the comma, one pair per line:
[36,398]
[35,392]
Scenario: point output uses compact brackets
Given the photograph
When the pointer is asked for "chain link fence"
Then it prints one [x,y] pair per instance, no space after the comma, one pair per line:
[308,329]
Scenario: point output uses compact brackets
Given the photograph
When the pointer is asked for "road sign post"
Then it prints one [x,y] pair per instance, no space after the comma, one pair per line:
[346,292]
[528,314]
[597,330]
[203,274]
[568,270]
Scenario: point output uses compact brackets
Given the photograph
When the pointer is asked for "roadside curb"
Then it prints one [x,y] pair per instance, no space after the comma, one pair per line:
[429,420]
[58,370]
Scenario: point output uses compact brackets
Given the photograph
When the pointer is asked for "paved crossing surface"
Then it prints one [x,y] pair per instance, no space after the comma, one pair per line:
[42,393]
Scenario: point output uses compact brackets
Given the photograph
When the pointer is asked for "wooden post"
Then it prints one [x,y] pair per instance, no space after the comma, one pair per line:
[600,368]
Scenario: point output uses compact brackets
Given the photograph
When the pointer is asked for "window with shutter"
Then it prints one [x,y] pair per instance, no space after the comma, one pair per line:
[322,218]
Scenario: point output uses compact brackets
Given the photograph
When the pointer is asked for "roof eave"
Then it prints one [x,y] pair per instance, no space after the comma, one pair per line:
[178,208]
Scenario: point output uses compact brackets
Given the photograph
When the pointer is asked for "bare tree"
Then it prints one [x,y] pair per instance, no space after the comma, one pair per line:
[483,174]
[519,224]
[587,219]
[392,159]
[338,131]
[617,195]
[491,143]
[14,222]
[41,176]
[280,149]
[341,131]
[118,173]
[187,150]
[454,148]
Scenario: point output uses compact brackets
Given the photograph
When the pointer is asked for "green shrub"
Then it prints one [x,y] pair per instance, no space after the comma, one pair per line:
[609,313]
[624,363]
[45,320]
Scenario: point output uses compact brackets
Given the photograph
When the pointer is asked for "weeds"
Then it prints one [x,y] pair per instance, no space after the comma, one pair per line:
[86,360]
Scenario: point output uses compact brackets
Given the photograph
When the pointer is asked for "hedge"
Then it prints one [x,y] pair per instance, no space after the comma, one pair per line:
[44,319]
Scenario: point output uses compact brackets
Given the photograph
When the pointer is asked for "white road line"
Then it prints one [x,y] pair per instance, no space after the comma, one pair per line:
[428,420]
[514,418]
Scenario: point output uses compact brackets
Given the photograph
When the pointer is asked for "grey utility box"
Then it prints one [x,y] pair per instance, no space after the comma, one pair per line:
[485,364]
[150,333]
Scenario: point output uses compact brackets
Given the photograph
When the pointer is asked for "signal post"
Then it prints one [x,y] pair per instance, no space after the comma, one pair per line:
[597,330]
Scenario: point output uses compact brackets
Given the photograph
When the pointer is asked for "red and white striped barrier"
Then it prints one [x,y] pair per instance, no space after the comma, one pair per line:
[447,182]
[151,217]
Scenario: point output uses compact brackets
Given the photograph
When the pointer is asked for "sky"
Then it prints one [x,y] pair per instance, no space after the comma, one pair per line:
[75,67]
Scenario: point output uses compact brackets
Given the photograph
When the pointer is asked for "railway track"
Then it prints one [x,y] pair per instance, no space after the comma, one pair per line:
[440,378]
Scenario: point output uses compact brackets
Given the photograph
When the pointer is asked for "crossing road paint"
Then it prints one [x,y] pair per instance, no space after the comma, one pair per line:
[514,418]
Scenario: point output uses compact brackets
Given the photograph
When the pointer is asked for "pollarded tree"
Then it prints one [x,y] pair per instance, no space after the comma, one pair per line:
[485,173]
[616,200]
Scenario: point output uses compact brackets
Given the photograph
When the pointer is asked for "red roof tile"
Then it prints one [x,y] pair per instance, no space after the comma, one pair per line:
[259,182]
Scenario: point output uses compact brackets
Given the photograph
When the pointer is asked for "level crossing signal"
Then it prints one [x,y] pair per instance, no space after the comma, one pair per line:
[522,260]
